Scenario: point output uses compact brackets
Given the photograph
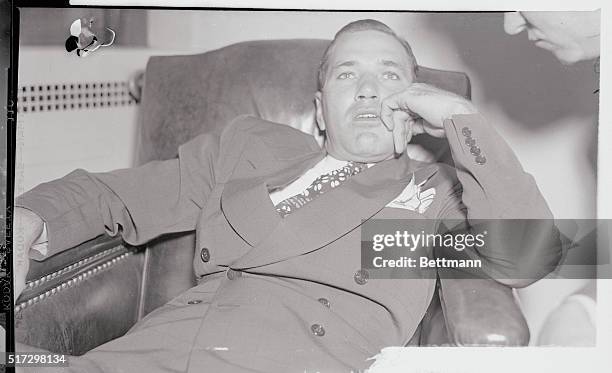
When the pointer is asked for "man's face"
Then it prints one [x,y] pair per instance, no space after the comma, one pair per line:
[363,68]
[571,36]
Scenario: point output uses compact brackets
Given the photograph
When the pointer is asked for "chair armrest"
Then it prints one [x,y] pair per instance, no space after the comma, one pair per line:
[82,297]
[482,312]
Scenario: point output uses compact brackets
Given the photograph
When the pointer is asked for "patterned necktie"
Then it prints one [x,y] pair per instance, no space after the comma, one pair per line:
[321,185]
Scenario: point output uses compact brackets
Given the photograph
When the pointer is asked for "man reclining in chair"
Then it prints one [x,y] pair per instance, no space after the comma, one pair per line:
[281,283]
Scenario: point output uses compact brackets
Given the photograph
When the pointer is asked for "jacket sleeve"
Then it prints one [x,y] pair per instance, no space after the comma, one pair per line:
[139,203]
[495,197]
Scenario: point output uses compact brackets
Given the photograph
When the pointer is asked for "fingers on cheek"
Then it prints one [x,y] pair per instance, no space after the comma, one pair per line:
[400,139]
[409,133]
[395,135]
[419,90]
[399,118]
[387,117]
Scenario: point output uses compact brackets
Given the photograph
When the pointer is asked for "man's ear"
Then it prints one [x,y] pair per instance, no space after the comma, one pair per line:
[319,111]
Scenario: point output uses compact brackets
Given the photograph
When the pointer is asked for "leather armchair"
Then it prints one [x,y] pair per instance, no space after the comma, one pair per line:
[95,292]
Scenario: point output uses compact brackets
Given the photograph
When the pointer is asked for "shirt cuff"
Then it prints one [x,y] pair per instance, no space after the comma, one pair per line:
[41,244]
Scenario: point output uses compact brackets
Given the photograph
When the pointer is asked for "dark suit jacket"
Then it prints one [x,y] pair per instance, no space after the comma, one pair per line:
[282,294]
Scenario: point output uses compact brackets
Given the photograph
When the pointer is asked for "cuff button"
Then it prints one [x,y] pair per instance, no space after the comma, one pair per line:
[475,150]
[481,159]
[466,132]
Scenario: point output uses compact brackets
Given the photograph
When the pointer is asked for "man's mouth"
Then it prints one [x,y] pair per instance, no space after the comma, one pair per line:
[367,116]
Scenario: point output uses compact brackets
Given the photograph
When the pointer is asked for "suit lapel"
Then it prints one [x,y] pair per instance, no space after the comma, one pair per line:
[331,215]
[246,203]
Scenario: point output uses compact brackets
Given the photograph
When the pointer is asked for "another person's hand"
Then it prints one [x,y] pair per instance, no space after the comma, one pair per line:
[27,228]
[421,108]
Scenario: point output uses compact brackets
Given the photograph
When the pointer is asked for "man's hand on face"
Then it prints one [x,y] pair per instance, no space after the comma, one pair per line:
[421,108]
[27,228]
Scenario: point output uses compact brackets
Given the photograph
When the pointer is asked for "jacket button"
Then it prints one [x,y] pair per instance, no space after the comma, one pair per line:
[205,255]
[475,150]
[194,301]
[361,277]
[317,330]
[470,141]
[324,302]
[481,159]
[232,274]
[466,132]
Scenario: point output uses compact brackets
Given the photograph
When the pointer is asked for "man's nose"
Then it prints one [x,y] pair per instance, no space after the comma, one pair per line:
[368,89]
[514,23]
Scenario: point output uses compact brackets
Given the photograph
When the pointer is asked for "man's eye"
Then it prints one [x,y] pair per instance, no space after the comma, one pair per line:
[391,75]
[347,75]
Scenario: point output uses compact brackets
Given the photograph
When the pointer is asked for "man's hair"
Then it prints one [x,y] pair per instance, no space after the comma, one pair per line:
[71,43]
[362,25]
